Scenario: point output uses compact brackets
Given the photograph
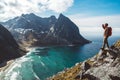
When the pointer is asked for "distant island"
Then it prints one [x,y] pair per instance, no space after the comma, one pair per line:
[31,30]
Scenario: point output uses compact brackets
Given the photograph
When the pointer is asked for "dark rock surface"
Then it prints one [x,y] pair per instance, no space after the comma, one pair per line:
[9,49]
[31,30]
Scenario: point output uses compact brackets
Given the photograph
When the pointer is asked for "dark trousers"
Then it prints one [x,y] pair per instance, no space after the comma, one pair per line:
[105,42]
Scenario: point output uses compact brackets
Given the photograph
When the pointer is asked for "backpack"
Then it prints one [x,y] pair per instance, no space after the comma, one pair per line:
[109,31]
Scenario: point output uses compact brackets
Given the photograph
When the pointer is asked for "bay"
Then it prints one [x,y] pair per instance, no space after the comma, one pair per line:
[43,62]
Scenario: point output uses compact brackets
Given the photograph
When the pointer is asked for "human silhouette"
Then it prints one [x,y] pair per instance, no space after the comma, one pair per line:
[107,33]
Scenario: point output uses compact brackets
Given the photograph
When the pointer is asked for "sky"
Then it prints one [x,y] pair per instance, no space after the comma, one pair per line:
[88,15]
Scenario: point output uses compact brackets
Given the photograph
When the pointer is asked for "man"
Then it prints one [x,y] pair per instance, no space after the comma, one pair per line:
[107,33]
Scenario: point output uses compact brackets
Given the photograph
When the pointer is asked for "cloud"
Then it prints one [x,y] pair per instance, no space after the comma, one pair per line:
[95,21]
[92,24]
[59,5]
[12,8]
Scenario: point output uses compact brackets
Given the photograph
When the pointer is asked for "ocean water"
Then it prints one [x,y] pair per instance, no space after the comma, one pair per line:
[43,62]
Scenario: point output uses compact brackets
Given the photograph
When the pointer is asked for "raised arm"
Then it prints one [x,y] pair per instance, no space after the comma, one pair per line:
[103,26]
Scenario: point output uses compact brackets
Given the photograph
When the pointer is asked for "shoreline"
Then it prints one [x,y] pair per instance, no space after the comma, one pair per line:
[6,65]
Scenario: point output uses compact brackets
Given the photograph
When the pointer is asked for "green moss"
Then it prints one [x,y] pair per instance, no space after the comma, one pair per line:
[117,44]
[69,74]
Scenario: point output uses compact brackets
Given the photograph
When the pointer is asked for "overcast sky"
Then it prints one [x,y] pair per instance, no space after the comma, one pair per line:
[88,15]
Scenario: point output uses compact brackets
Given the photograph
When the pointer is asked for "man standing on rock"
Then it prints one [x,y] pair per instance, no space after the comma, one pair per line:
[107,33]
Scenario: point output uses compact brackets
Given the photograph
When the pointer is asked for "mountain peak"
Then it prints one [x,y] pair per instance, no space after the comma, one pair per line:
[53,17]
[61,15]
[31,14]
[58,31]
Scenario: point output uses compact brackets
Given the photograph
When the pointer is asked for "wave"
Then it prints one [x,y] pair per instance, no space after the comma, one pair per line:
[20,69]
[35,65]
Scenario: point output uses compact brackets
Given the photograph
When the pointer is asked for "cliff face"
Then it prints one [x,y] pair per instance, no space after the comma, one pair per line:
[32,30]
[66,29]
[8,46]
[104,66]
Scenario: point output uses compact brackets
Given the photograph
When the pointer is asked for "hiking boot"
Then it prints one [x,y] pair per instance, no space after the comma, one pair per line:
[102,49]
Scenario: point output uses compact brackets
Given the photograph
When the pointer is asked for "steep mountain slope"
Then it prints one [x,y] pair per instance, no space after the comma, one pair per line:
[8,46]
[104,66]
[31,30]
[66,29]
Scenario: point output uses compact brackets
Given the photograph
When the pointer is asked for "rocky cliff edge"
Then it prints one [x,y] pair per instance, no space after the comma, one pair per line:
[103,66]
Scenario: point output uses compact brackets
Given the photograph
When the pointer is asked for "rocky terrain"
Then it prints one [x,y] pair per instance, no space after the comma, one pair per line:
[103,66]
[9,48]
[31,30]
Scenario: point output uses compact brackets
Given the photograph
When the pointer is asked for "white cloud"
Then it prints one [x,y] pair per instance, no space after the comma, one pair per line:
[12,8]
[59,5]
[95,21]
[91,25]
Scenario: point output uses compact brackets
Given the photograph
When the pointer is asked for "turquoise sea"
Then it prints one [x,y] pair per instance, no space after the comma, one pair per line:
[43,62]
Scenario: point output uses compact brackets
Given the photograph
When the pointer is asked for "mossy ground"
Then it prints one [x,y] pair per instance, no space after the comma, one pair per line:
[69,74]
[117,44]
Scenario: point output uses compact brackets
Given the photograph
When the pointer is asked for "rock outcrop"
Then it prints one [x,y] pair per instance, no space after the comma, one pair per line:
[9,49]
[31,30]
[104,66]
